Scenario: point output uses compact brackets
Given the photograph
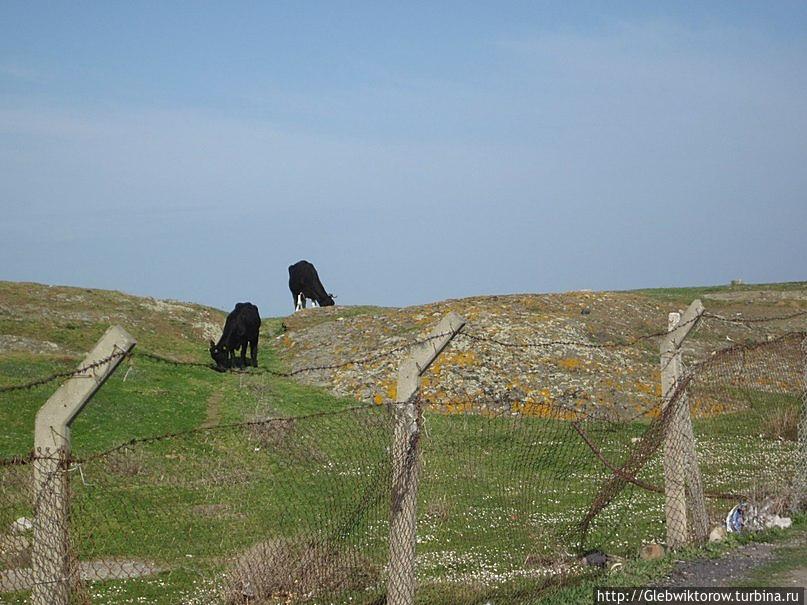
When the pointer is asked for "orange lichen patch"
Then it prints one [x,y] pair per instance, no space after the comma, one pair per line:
[649,388]
[458,408]
[389,392]
[654,412]
[438,395]
[452,358]
[705,407]
[542,410]
[570,363]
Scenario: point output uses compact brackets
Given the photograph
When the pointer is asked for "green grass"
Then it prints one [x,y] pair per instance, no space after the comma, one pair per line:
[688,294]
[647,573]
[494,492]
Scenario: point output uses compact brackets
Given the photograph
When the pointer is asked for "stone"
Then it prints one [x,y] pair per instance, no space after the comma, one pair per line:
[615,563]
[776,521]
[22,525]
[595,558]
[651,552]
[11,546]
[718,534]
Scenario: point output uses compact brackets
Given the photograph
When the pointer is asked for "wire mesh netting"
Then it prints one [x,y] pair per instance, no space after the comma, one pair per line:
[746,404]
[510,490]
[286,509]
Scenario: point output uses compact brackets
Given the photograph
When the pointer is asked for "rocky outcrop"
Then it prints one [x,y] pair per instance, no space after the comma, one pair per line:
[575,368]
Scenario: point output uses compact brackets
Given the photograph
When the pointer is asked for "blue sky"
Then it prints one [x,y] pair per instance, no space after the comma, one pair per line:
[412,151]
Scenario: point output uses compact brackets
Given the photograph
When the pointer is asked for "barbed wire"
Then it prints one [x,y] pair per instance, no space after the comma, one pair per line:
[390,352]
[221,427]
[753,320]
[620,473]
[337,478]
[289,374]
[259,370]
[574,343]
[22,460]
[170,361]
[66,374]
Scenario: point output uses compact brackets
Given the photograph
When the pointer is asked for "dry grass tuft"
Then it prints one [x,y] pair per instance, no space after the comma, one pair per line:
[783,424]
[290,571]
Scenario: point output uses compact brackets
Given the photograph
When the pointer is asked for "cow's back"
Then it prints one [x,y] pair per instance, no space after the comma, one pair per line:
[243,322]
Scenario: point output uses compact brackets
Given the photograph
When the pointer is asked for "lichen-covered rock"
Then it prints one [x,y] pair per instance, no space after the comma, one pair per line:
[565,369]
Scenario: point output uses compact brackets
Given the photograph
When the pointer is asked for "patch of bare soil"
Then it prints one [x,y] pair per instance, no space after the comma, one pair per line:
[739,566]
[724,571]
[93,571]
[213,409]
[10,343]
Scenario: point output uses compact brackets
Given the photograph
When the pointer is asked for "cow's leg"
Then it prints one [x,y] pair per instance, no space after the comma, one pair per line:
[243,354]
[253,351]
[299,302]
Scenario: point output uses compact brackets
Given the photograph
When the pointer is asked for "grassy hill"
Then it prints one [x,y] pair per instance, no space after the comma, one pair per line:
[497,491]
[47,329]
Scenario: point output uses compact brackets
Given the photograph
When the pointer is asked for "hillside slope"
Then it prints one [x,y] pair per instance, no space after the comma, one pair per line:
[67,321]
[47,329]
[620,379]
[205,488]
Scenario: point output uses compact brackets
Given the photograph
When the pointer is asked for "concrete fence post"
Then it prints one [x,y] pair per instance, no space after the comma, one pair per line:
[799,497]
[681,470]
[405,463]
[50,558]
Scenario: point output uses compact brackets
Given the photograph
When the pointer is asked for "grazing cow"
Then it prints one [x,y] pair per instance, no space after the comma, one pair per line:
[304,283]
[241,328]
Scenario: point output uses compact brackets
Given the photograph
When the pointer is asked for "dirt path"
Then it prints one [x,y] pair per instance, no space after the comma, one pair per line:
[213,409]
[758,564]
[93,571]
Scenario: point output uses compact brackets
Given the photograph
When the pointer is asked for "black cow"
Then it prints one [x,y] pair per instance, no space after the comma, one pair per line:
[241,328]
[304,283]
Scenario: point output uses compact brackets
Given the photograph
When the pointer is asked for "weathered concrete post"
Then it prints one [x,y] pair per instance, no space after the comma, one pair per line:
[680,459]
[49,552]
[799,496]
[405,466]
[692,471]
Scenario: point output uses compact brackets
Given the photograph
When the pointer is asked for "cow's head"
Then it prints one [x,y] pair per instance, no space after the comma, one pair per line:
[327,301]
[220,355]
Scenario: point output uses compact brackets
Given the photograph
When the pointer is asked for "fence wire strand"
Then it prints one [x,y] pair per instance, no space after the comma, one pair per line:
[513,488]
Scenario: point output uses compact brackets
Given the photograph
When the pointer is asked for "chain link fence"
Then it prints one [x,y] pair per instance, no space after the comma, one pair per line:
[510,495]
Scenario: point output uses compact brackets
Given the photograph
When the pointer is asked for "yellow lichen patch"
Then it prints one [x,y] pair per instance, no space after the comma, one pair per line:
[649,388]
[704,407]
[542,410]
[458,407]
[452,358]
[388,392]
[570,363]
